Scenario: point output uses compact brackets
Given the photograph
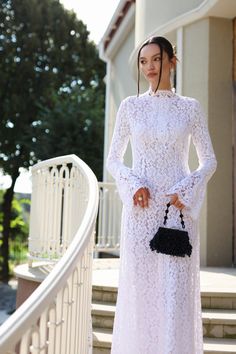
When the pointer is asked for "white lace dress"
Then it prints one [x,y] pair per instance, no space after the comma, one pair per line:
[158,307]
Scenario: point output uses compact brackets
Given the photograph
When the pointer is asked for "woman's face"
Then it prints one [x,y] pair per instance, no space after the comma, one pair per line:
[150,65]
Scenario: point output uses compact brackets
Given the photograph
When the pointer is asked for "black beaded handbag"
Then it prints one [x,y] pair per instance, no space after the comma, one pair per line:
[169,241]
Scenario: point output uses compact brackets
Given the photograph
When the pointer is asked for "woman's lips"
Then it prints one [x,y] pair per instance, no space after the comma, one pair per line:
[151,74]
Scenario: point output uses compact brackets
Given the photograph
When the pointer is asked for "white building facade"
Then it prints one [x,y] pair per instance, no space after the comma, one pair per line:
[204,32]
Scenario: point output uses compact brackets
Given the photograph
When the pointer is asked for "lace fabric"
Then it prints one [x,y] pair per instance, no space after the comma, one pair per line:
[159,307]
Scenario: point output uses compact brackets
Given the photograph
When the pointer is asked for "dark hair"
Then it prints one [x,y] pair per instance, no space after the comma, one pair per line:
[165,46]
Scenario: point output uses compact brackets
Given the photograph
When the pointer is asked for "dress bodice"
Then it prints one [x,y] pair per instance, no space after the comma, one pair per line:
[160,128]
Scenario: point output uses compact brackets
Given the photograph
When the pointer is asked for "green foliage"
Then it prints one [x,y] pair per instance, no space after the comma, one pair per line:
[19,224]
[44,53]
[19,228]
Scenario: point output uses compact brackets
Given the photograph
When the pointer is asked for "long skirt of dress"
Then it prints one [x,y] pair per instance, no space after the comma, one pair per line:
[158,307]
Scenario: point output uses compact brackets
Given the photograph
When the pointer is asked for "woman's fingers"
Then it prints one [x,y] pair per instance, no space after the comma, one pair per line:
[141,197]
[179,205]
[176,202]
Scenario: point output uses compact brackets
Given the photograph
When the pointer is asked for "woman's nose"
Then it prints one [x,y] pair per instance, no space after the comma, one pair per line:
[150,65]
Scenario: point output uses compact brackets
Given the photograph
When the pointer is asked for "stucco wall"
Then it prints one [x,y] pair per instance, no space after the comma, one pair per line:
[195,84]
[207,76]
[121,84]
[220,191]
[152,14]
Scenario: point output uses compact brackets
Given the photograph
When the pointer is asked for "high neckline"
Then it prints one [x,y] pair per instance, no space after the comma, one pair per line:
[161,93]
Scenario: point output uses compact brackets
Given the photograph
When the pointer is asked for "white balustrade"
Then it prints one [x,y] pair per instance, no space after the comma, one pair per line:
[109,218]
[56,318]
[57,187]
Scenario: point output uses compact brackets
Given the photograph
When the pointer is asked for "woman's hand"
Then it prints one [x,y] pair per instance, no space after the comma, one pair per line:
[141,197]
[174,200]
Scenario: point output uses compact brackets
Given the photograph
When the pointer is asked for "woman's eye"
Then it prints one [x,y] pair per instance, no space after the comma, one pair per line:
[142,61]
[157,59]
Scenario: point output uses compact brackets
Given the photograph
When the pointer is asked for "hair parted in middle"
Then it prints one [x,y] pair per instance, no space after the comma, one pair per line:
[165,46]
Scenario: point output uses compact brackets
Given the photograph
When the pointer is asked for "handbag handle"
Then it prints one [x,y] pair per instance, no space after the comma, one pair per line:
[180,215]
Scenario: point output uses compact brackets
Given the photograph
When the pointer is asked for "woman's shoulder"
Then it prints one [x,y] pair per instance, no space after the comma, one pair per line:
[130,102]
[191,101]
[130,99]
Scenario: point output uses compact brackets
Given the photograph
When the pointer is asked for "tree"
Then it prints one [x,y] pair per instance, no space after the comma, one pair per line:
[75,124]
[45,55]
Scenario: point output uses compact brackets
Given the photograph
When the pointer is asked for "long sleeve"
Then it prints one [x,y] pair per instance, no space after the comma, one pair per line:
[191,190]
[127,182]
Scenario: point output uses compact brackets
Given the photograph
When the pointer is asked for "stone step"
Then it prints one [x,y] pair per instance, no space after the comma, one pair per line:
[102,341]
[104,293]
[217,323]
[103,315]
[219,346]
[210,300]
[102,344]
[219,299]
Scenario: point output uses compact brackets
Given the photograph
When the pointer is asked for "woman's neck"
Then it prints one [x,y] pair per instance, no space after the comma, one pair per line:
[161,86]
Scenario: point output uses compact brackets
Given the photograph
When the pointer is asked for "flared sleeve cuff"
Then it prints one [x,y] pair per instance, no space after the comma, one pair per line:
[191,192]
[128,187]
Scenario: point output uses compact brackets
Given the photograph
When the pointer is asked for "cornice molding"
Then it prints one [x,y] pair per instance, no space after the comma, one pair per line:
[121,23]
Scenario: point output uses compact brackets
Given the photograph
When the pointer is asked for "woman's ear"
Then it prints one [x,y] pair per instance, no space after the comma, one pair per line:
[173,62]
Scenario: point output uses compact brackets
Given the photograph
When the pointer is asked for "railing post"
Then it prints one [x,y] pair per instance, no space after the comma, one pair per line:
[109,219]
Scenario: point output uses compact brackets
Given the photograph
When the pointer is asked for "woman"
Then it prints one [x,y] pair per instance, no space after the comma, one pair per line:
[159,306]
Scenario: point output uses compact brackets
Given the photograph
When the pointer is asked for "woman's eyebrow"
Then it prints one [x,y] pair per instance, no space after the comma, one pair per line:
[151,56]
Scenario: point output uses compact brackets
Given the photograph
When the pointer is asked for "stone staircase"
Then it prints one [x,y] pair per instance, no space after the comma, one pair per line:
[218,311]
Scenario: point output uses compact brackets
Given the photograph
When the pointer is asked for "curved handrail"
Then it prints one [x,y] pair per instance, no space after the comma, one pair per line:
[27,315]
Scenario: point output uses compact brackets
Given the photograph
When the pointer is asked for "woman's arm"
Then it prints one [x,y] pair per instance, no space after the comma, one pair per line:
[191,190]
[127,182]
